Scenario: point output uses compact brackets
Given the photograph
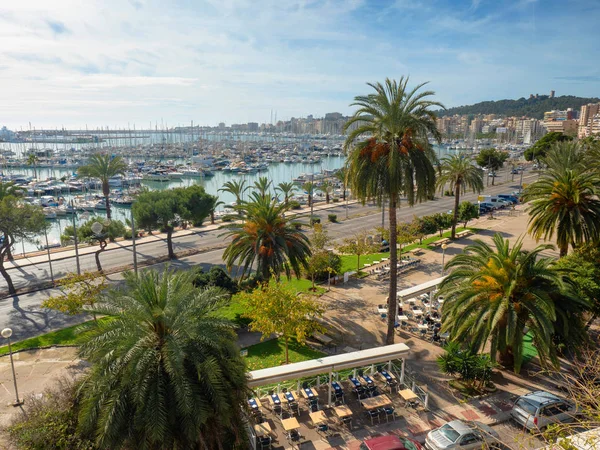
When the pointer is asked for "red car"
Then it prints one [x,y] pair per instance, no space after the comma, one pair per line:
[391,442]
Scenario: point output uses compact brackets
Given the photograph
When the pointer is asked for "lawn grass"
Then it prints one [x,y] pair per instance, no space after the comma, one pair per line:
[65,336]
[425,244]
[529,350]
[272,353]
[349,261]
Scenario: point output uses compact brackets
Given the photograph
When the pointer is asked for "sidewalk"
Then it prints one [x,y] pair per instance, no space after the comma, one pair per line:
[69,252]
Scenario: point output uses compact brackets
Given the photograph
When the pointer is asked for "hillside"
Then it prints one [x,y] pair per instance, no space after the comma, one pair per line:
[533,107]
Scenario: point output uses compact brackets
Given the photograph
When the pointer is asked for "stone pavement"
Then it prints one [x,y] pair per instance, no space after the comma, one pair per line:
[36,370]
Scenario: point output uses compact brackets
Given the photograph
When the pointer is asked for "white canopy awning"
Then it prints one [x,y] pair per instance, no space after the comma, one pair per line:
[327,364]
[422,288]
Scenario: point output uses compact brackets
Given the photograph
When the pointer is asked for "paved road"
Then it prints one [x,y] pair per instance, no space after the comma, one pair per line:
[23,314]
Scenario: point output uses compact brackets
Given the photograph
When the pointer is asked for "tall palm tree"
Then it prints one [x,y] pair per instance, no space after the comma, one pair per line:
[235,188]
[104,167]
[32,160]
[309,188]
[395,157]
[287,189]
[266,240]
[461,174]
[342,176]
[494,295]
[327,188]
[262,185]
[215,203]
[166,371]
[564,200]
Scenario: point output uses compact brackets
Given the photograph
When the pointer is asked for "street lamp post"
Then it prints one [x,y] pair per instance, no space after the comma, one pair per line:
[135,265]
[49,258]
[75,238]
[7,333]
[444,247]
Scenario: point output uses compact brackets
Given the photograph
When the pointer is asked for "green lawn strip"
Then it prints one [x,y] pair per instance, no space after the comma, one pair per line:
[349,261]
[425,244]
[65,336]
[529,350]
[272,353]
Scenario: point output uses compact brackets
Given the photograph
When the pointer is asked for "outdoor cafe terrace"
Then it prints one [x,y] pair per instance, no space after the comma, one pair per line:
[335,401]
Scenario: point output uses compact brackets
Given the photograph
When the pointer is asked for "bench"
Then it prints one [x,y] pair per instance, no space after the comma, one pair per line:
[326,340]
[440,242]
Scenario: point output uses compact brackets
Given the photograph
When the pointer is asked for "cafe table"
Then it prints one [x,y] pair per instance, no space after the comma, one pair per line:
[342,411]
[290,424]
[318,417]
[381,401]
[262,429]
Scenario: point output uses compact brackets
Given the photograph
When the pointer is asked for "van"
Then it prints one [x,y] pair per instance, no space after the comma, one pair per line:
[539,409]
[494,200]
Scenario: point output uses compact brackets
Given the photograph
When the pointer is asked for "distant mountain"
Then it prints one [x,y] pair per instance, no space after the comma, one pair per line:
[530,107]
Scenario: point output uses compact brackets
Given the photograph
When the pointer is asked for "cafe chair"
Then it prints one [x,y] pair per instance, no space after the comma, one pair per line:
[389,412]
[265,442]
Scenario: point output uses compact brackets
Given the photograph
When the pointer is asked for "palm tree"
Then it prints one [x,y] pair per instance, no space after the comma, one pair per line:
[166,371]
[461,174]
[564,200]
[266,239]
[287,189]
[395,157]
[32,160]
[103,167]
[262,185]
[235,188]
[215,203]
[342,176]
[327,188]
[309,188]
[494,295]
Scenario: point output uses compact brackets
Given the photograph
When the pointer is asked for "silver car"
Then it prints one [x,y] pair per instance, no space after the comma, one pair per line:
[539,409]
[459,434]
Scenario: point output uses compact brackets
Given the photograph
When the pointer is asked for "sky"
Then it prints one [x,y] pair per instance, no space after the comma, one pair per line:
[116,63]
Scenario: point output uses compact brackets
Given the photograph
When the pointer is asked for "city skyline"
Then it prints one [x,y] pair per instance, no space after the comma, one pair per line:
[115,64]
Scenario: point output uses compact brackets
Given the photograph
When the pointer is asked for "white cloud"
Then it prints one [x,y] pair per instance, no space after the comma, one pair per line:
[109,62]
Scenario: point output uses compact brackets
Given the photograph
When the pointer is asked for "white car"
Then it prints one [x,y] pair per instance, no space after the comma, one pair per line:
[459,434]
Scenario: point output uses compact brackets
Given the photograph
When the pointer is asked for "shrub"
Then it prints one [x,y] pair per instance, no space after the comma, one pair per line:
[335,200]
[332,217]
[297,225]
[115,230]
[216,276]
[51,421]
[294,204]
[315,219]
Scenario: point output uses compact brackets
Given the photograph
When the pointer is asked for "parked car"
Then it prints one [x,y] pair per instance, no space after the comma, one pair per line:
[492,174]
[490,206]
[509,197]
[391,442]
[514,171]
[459,434]
[539,409]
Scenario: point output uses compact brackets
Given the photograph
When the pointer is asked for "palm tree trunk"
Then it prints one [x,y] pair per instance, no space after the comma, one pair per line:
[455,212]
[327,198]
[393,300]
[106,192]
[564,249]
[344,191]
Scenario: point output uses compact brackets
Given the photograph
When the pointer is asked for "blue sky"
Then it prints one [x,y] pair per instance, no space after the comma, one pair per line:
[118,62]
